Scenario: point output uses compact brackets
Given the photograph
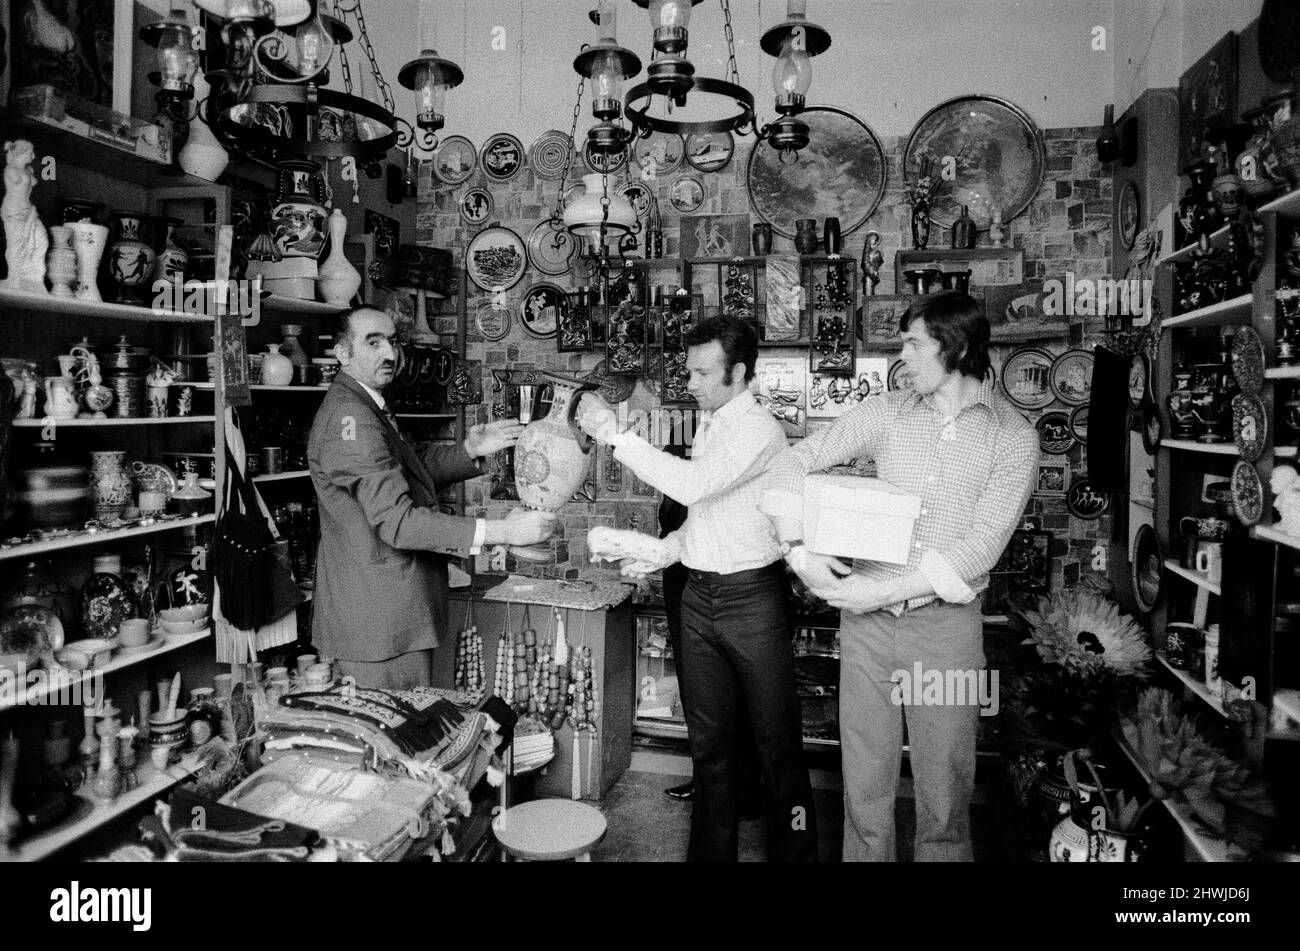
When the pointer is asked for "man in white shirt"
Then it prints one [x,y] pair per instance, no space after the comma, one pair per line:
[735,614]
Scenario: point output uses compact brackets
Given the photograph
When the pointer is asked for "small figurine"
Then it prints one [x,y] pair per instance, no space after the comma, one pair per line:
[1285,484]
[27,403]
[26,238]
[872,260]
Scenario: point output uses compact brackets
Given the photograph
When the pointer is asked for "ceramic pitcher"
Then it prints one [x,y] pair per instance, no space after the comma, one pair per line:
[552,457]
[60,397]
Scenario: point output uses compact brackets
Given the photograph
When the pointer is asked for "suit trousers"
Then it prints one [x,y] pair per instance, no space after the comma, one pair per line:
[738,661]
[874,648]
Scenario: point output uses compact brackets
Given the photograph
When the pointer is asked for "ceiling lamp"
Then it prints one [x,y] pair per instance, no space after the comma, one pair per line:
[604,220]
[793,43]
[430,76]
[605,65]
[670,74]
[178,60]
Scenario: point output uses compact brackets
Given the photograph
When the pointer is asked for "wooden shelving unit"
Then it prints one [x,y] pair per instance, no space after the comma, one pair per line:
[72,307]
[1195,577]
[111,423]
[1214,315]
[1190,445]
[104,537]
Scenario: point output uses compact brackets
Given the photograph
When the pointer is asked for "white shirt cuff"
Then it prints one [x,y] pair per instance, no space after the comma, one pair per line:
[946,582]
[480,532]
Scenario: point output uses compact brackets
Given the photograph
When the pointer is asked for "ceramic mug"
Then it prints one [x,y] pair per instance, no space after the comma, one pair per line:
[305,662]
[318,675]
[1183,644]
[133,632]
[1206,527]
[1209,560]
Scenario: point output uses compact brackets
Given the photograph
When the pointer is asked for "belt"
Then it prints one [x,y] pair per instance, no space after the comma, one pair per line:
[774,570]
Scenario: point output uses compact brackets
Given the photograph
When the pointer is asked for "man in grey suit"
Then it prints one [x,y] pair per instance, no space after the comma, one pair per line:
[381,570]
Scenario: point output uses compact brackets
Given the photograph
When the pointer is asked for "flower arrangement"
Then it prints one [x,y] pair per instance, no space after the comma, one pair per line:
[920,193]
[1084,632]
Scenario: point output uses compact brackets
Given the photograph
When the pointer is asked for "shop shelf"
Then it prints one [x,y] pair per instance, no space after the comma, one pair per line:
[106,423]
[1285,452]
[1195,686]
[48,687]
[1197,840]
[425,415]
[105,537]
[1215,314]
[280,476]
[153,783]
[262,386]
[1282,373]
[1195,577]
[293,305]
[1270,534]
[71,306]
[1288,204]
[1189,445]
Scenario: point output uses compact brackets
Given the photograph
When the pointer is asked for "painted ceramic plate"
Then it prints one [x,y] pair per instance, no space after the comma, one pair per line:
[476,206]
[1147,568]
[492,320]
[1248,360]
[444,366]
[1084,501]
[455,159]
[1249,426]
[550,154]
[502,157]
[660,151]
[1139,380]
[614,388]
[1000,158]
[710,151]
[602,162]
[551,250]
[1071,377]
[899,378]
[1054,436]
[1079,424]
[1130,211]
[105,603]
[687,194]
[639,195]
[840,174]
[542,309]
[496,258]
[1026,378]
[1247,493]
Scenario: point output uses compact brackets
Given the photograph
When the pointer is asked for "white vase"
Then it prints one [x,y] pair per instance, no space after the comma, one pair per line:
[277,369]
[338,280]
[203,156]
[61,262]
[88,241]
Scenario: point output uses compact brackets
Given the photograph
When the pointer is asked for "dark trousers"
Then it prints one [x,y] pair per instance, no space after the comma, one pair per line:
[737,662]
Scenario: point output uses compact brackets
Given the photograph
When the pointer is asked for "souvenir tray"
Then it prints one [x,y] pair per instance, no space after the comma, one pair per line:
[476,206]
[550,154]
[1147,569]
[661,150]
[455,159]
[710,151]
[1084,501]
[551,250]
[492,320]
[603,163]
[542,308]
[1054,436]
[687,194]
[1071,377]
[1026,378]
[1248,360]
[496,258]
[1247,493]
[1249,426]
[502,157]
[639,196]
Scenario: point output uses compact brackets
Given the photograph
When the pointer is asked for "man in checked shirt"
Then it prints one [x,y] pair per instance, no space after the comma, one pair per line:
[971,457]
[736,619]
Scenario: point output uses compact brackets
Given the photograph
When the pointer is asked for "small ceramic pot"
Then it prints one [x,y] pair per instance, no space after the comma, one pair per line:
[130,255]
[805,235]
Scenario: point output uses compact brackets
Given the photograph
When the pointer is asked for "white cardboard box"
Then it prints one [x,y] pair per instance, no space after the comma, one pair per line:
[858,517]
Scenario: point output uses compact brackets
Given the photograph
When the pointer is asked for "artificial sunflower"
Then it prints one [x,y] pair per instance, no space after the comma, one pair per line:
[1085,633]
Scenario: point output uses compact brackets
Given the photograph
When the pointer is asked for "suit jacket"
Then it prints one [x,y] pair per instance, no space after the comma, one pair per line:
[381,569]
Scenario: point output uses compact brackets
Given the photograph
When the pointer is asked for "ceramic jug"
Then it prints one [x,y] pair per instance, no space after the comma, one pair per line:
[298,218]
[338,280]
[173,261]
[61,397]
[277,369]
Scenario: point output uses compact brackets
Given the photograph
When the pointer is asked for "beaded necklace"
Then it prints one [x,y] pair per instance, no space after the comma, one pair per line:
[469,675]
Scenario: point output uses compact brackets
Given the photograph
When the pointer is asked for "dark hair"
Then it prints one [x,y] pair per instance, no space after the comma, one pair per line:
[343,323]
[957,321]
[738,339]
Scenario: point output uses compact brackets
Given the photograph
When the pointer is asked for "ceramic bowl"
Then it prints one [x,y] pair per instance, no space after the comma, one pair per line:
[86,654]
[174,628]
[189,612]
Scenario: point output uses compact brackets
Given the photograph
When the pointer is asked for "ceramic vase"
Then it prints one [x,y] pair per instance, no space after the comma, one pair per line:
[88,243]
[190,498]
[805,235]
[921,280]
[997,231]
[832,240]
[298,216]
[61,397]
[553,455]
[203,156]
[762,239]
[130,256]
[339,281]
[920,225]
[61,262]
[173,261]
[277,369]
[110,484]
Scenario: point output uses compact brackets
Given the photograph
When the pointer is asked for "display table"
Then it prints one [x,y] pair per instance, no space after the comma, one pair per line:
[608,632]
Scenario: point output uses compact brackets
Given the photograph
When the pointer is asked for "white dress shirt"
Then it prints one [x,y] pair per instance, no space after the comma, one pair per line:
[721,484]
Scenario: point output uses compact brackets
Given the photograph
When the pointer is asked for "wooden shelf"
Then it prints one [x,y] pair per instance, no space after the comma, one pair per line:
[72,307]
[1190,445]
[294,305]
[1283,373]
[262,387]
[153,783]
[1270,534]
[105,423]
[1195,686]
[1213,315]
[57,682]
[1206,848]
[279,476]
[426,415]
[1288,204]
[1195,577]
[103,537]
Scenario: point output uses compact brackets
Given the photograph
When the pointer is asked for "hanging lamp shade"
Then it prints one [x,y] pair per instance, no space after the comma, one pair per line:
[585,215]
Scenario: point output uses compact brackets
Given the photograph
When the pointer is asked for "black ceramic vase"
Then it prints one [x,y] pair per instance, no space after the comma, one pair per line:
[805,235]
[920,226]
[762,239]
[832,240]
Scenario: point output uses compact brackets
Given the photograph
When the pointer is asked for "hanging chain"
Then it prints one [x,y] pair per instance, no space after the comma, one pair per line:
[733,72]
[343,53]
[573,148]
[363,37]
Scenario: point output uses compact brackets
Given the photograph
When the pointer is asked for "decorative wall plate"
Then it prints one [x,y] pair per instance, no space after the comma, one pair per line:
[1139,380]
[1247,493]
[542,308]
[496,258]
[502,157]
[550,249]
[1071,377]
[840,174]
[550,154]
[1054,436]
[601,162]
[899,377]
[639,195]
[1079,423]
[1026,378]
[1130,215]
[1249,426]
[492,320]
[1000,158]
[455,159]
[660,151]
[710,151]
[1148,569]
[1084,501]
[687,194]
[476,206]
[1248,360]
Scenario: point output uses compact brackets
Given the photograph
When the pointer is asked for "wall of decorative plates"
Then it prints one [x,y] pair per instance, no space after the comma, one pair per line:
[534,306]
